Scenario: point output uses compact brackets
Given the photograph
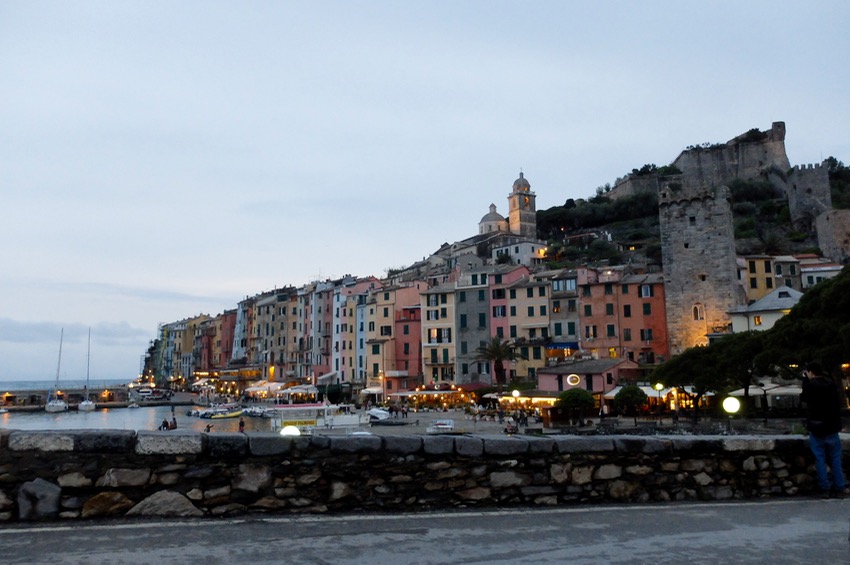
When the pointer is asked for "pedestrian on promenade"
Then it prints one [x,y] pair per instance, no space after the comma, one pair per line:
[241,425]
[823,420]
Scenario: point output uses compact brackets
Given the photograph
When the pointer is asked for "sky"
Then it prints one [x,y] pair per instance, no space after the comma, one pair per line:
[162,159]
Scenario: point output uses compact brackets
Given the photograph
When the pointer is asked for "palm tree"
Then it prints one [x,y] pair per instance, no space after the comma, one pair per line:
[497,351]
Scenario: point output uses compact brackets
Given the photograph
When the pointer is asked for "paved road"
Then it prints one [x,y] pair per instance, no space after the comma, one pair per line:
[776,532]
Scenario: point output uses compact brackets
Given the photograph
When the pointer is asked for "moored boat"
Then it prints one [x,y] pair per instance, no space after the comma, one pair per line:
[54,403]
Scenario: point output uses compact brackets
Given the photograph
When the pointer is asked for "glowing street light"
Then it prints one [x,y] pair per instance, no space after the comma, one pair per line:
[731,405]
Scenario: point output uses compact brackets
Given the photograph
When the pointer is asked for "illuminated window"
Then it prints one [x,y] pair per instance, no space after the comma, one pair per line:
[757,320]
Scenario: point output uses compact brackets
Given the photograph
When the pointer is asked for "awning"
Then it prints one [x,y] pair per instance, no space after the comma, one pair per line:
[372,390]
[648,390]
[772,389]
[326,379]
[200,382]
[299,389]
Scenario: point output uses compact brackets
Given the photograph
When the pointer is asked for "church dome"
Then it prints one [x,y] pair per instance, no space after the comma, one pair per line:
[521,184]
[492,216]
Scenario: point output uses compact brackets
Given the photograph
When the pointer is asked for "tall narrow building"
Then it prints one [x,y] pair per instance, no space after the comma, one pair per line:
[522,209]
[700,269]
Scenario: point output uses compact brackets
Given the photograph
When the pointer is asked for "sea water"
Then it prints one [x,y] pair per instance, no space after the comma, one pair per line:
[44,386]
[143,418]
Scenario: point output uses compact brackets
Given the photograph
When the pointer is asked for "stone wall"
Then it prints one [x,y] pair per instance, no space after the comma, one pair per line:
[90,474]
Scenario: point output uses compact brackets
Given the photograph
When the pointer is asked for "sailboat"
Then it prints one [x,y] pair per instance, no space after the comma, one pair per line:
[54,403]
[87,404]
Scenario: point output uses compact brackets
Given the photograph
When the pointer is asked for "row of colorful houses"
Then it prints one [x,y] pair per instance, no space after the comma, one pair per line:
[604,324]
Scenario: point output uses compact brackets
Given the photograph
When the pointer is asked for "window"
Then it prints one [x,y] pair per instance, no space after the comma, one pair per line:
[609,329]
[646,335]
[500,332]
[439,335]
[407,348]
[462,296]
[405,329]
[542,309]
[645,291]
[767,267]
[531,311]
[590,332]
[513,310]
[792,269]
[433,300]
[753,282]
[482,320]
[571,328]
[474,279]
[647,309]
[588,310]
[512,293]
[609,288]
[541,291]
[752,266]
[558,327]
[386,330]
[699,312]
[482,296]
[499,311]
[757,320]
[556,306]
[627,334]
[444,298]
[463,320]
[778,270]
[585,290]
[464,348]
[627,311]
[768,283]
[376,349]
[609,309]
[529,293]
[571,305]
[625,289]
[498,293]
[512,331]
[497,279]
[432,315]
[535,353]
[443,313]
[386,312]
[564,285]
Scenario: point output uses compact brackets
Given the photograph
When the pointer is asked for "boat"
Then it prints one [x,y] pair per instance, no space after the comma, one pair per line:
[54,403]
[87,404]
[254,411]
[133,405]
[235,413]
[441,427]
[308,417]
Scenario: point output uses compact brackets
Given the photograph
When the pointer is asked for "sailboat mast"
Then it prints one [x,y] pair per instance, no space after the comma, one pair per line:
[59,362]
[88,360]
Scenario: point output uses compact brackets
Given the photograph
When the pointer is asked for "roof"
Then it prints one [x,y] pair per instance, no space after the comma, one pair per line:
[590,366]
[782,298]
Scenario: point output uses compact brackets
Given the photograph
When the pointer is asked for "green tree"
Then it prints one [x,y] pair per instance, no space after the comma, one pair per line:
[737,363]
[695,368]
[577,400]
[497,351]
[629,399]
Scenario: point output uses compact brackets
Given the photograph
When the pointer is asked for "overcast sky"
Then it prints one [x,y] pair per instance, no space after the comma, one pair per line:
[164,159]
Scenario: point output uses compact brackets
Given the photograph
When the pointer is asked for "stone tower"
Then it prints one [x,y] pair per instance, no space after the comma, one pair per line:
[700,271]
[522,209]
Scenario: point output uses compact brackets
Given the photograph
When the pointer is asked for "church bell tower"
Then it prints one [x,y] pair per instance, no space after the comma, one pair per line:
[522,210]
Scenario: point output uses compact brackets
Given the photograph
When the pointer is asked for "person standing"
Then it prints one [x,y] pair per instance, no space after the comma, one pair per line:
[823,420]
[241,425]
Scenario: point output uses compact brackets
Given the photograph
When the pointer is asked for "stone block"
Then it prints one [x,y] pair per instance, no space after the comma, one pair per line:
[356,444]
[438,444]
[581,444]
[227,445]
[403,445]
[467,446]
[269,443]
[165,503]
[505,446]
[640,444]
[41,440]
[542,445]
[104,441]
[748,443]
[174,442]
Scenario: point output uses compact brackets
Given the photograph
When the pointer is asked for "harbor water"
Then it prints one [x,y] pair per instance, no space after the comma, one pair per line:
[143,418]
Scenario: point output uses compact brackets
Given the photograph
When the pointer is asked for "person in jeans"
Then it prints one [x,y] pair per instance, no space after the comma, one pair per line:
[823,420]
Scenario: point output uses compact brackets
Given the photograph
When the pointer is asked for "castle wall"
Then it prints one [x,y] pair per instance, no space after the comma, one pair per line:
[698,252]
[809,195]
[833,229]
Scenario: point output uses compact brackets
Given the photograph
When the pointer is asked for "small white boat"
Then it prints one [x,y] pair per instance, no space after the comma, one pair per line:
[133,405]
[254,411]
[441,427]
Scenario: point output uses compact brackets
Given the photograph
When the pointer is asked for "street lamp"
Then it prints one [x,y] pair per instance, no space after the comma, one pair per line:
[659,387]
[731,405]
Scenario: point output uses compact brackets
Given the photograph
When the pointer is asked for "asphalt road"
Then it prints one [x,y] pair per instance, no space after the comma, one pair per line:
[776,532]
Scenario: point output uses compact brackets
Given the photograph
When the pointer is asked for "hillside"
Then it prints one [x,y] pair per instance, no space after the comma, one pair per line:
[626,229]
